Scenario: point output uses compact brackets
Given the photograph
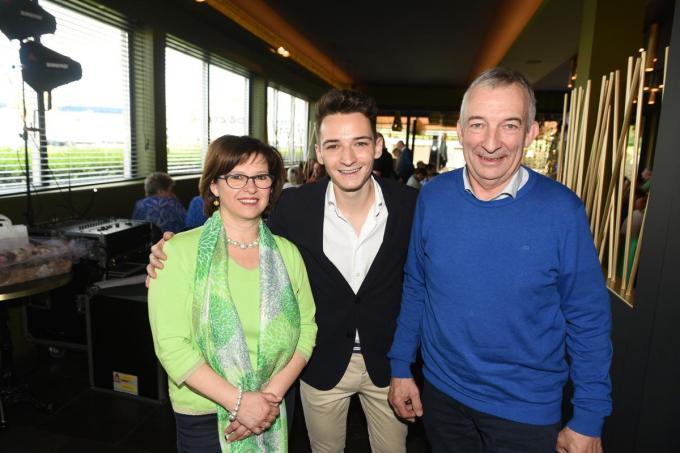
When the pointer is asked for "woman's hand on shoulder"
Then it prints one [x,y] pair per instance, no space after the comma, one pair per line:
[258,411]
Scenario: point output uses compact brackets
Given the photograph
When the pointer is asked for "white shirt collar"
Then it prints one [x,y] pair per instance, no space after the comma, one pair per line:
[518,180]
[378,199]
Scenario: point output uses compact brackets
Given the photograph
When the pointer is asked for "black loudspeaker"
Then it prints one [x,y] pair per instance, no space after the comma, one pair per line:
[44,69]
[21,19]
[122,357]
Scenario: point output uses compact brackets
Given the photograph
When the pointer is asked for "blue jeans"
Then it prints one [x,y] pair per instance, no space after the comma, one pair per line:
[452,427]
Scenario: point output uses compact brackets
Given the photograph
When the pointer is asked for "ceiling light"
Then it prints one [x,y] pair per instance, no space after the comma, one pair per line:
[397,125]
[283,52]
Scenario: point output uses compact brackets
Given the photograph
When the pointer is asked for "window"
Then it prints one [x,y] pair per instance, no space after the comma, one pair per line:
[88,125]
[204,100]
[287,124]
[185,118]
[228,99]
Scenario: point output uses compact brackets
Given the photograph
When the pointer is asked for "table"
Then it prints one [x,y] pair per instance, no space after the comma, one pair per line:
[33,287]
[8,294]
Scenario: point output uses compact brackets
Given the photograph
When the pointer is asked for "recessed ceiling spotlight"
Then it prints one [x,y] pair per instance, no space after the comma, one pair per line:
[283,52]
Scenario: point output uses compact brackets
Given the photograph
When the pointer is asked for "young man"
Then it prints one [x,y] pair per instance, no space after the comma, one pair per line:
[352,230]
[505,298]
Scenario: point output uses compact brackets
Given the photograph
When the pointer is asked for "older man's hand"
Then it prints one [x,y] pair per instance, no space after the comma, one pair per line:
[156,257]
[569,441]
[404,397]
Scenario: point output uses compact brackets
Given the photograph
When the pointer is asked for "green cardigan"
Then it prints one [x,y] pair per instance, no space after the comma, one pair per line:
[170,304]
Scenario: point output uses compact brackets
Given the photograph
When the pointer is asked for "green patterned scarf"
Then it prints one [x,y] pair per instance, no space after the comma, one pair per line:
[220,336]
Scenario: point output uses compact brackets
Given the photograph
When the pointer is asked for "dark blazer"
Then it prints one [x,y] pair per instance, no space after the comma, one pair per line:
[299,217]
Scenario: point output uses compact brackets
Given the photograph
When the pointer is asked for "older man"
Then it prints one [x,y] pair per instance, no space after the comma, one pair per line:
[503,293]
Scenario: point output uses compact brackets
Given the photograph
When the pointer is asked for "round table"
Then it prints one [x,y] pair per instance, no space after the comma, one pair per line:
[8,293]
[33,287]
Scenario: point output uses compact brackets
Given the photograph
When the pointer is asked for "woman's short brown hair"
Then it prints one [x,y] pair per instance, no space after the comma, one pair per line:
[228,151]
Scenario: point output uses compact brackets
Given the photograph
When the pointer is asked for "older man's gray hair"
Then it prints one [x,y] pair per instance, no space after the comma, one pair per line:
[502,77]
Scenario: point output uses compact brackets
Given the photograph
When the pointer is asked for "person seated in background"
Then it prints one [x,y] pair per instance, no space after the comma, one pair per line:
[294,178]
[160,206]
[430,173]
[417,178]
[195,216]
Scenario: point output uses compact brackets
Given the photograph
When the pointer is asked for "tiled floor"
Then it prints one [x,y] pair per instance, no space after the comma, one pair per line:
[91,421]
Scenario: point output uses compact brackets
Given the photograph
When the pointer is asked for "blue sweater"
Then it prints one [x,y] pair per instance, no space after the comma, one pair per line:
[496,292]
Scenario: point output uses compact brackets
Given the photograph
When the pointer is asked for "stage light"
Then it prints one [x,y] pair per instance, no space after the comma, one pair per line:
[44,69]
[21,19]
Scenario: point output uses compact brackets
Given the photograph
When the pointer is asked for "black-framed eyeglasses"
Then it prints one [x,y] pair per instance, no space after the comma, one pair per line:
[239,181]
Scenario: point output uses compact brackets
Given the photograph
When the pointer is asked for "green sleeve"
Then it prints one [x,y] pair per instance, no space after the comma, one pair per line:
[300,282]
[170,300]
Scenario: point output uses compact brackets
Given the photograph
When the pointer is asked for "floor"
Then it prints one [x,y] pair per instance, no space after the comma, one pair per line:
[85,420]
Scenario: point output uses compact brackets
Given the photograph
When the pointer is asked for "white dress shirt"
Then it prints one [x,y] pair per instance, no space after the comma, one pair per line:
[350,253]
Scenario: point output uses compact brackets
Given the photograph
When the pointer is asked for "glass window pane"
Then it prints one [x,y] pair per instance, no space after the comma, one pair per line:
[185,117]
[287,125]
[88,124]
[11,145]
[228,103]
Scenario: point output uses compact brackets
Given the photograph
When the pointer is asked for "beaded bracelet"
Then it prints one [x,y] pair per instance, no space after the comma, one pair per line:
[234,414]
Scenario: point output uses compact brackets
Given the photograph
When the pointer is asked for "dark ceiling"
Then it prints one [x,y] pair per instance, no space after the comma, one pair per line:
[433,42]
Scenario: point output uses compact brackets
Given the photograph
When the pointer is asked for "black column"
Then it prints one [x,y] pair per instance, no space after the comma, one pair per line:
[646,367]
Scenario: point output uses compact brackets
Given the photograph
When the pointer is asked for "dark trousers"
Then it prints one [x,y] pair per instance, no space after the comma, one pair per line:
[452,427]
[198,433]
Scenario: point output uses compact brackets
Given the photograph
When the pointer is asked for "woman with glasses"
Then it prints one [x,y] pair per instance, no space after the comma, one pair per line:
[231,312]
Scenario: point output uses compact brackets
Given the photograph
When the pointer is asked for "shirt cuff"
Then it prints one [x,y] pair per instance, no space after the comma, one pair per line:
[400,368]
[586,423]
